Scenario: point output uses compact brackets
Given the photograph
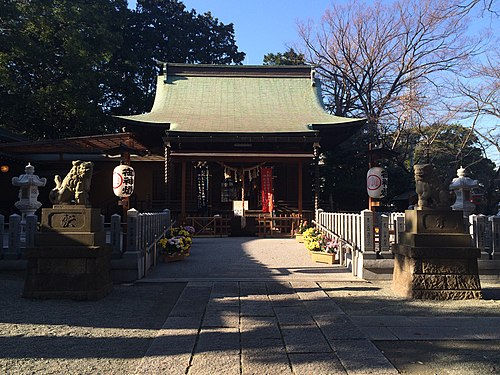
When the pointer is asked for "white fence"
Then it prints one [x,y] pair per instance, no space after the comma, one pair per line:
[368,236]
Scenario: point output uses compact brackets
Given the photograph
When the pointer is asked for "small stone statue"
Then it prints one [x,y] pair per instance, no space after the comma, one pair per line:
[76,185]
[430,192]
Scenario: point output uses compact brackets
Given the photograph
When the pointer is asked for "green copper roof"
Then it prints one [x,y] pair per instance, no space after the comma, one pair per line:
[238,99]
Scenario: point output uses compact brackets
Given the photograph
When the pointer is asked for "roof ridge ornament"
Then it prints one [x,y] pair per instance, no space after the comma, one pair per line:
[163,68]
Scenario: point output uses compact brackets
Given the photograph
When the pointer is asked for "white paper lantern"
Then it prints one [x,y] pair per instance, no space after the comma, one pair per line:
[376,182]
[123,181]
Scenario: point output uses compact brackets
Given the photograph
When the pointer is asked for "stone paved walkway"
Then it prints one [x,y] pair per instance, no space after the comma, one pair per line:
[260,328]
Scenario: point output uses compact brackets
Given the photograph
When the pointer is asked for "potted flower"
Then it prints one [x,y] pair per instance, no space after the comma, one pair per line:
[312,239]
[299,232]
[178,245]
[327,252]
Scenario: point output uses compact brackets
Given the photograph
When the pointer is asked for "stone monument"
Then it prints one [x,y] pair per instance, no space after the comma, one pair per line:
[435,258]
[70,258]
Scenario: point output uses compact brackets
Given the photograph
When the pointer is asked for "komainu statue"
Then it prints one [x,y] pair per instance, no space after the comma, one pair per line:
[75,187]
[431,193]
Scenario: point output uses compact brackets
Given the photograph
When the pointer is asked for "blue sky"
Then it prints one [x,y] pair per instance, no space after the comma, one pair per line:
[261,26]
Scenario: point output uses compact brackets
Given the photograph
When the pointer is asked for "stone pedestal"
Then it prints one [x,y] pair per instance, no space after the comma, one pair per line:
[70,258]
[435,258]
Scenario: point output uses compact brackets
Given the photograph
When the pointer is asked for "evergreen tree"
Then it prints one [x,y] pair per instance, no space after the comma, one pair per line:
[289,57]
[66,65]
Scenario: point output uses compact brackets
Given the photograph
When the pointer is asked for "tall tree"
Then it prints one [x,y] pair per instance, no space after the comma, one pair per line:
[370,55]
[52,64]
[65,65]
[290,57]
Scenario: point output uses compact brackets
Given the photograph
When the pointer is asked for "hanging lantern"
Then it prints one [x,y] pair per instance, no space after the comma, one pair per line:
[123,181]
[376,182]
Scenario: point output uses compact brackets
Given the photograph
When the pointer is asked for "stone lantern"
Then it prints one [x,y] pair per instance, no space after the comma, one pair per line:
[28,191]
[462,186]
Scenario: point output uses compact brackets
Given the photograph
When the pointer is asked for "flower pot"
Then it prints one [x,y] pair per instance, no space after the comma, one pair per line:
[175,257]
[322,257]
[299,238]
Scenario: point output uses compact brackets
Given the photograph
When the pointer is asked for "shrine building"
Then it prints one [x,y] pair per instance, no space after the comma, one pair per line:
[240,138]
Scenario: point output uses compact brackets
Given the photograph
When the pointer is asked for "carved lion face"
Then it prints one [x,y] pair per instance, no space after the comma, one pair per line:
[422,172]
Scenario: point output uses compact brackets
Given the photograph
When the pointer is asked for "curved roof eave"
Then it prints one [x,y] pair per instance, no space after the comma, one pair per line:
[238,99]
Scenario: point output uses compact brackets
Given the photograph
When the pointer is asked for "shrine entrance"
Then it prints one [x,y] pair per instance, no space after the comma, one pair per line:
[240,198]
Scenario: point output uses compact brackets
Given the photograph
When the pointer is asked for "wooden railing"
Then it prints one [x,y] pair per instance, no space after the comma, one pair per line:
[216,226]
[277,226]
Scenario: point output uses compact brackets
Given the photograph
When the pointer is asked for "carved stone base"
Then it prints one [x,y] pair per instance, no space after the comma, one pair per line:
[435,259]
[79,273]
[418,273]
[70,259]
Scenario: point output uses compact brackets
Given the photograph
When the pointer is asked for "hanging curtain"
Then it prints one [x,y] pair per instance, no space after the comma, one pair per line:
[266,185]
[202,185]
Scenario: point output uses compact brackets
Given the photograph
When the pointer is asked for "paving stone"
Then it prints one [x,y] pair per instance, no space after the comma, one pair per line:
[189,307]
[316,363]
[323,306]
[279,288]
[385,320]
[226,289]
[229,307]
[286,299]
[338,327]
[218,340]
[221,319]
[293,315]
[434,333]
[171,350]
[264,360]
[361,357]
[429,321]
[216,362]
[182,322]
[197,284]
[160,365]
[304,286]
[304,339]
[252,288]
[255,330]
[379,333]
[256,307]
[192,302]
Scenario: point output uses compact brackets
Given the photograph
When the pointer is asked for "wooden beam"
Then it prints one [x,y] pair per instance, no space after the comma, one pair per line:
[299,174]
[183,190]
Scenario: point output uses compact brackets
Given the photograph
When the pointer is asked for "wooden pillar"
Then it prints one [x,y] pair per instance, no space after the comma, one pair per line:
[167,172]
[316,176]
[183,190]
[242,191]
[300,194]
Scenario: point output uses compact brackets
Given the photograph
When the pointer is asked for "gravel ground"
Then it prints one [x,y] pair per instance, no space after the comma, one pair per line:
[109,336]
[354,299]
